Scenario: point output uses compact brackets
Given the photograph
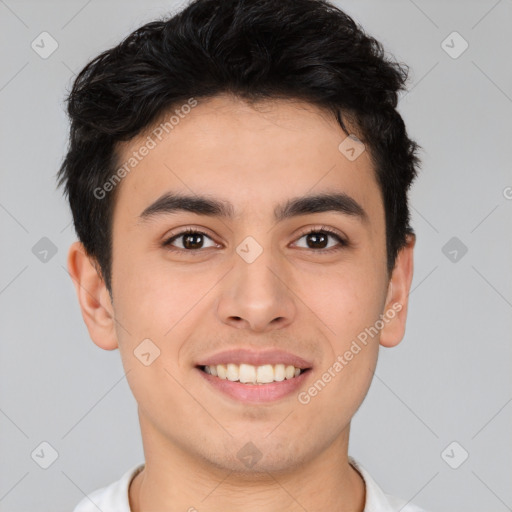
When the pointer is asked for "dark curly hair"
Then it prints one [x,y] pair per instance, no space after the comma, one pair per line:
[255,49]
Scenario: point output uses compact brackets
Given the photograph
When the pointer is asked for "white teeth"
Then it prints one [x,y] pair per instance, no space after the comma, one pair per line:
[222,371]
[289,372]
[279,372]
[249,374]
[265,373]
[233,372]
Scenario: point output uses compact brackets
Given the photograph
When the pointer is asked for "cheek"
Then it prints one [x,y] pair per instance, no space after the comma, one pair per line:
[152,298]
[155,309]
[350,309]
[349,301]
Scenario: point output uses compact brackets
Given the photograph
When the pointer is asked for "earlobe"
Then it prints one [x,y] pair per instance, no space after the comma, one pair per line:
[395,310]
[93,297]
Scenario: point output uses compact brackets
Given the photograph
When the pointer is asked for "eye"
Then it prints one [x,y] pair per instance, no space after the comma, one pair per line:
[192,240]
[318,237]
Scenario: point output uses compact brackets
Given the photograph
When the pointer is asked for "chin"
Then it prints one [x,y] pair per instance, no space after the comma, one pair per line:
[257,458]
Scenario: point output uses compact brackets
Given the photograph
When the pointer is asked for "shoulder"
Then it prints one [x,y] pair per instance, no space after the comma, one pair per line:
[401,505]
[110,498]
[379,501]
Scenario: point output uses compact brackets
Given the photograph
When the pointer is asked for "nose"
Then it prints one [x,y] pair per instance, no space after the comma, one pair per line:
[257,296]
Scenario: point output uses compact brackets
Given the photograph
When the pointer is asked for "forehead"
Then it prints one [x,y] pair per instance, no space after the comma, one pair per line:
[254,156]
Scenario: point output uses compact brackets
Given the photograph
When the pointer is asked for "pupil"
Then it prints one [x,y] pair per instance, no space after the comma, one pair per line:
[191,245]
[315,237]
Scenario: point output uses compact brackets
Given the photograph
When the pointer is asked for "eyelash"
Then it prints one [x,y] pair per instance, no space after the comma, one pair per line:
[323,229]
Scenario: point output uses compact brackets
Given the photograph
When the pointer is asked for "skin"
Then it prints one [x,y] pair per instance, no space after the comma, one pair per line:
[289,298]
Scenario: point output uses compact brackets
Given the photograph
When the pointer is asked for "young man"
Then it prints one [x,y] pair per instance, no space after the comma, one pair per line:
[238,179]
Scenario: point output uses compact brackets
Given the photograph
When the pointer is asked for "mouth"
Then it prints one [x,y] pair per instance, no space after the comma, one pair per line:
[255,377]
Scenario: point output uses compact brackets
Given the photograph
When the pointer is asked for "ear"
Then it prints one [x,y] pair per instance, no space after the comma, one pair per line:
[93,296]
[395,310]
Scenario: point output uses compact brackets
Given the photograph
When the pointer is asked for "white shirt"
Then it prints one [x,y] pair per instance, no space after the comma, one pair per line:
[114,497]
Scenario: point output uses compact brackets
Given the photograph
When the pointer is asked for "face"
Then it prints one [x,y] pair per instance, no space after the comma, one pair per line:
[268,284]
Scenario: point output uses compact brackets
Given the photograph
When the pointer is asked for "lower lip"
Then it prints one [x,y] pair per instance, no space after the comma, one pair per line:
[257,393]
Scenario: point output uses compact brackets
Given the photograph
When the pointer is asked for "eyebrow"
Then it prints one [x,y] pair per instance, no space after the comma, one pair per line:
[170,203]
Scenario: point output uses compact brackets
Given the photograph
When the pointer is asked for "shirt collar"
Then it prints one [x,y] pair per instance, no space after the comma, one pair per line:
[376,500]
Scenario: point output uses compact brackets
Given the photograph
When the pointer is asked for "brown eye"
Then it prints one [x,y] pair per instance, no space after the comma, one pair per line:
[317,240]
[191,240]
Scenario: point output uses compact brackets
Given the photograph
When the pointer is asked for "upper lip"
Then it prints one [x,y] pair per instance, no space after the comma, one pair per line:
[255,358]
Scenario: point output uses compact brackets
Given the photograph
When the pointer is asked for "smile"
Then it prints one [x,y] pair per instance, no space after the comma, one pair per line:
[250,374]
[243,382]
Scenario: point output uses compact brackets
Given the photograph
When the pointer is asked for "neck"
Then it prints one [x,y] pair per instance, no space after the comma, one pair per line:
[172,479]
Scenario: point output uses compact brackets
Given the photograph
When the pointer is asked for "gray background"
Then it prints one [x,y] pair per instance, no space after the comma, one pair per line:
[449,380]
